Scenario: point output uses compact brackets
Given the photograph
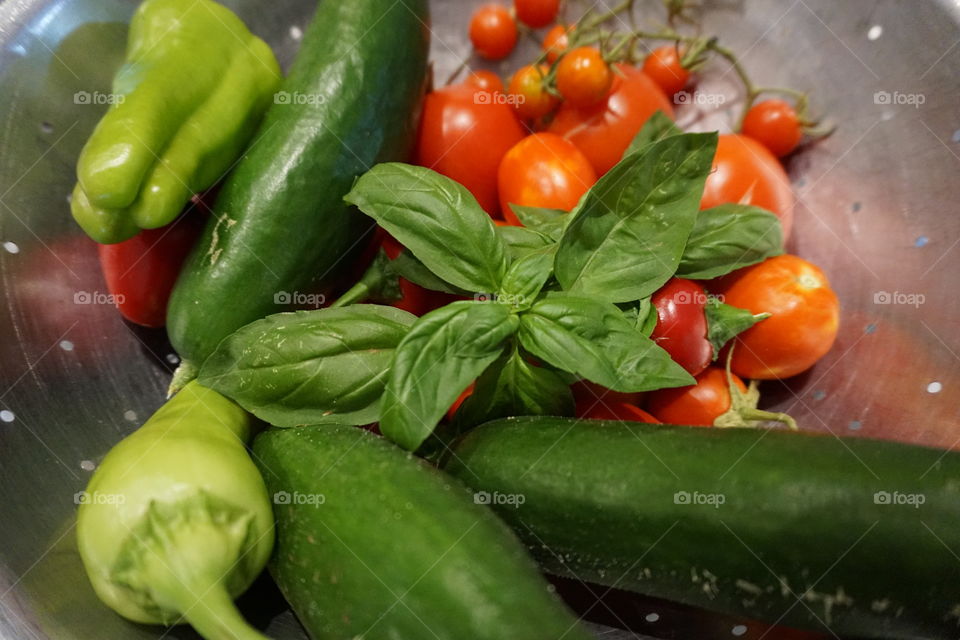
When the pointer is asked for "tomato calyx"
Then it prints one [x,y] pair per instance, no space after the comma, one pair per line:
[743,410]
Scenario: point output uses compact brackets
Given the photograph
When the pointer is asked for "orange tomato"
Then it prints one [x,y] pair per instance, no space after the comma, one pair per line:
[530,96]
[616,411]
[583,77]
[663,66]
[803,325]
[698,405]
[555,42]
[604,131]
[543,170]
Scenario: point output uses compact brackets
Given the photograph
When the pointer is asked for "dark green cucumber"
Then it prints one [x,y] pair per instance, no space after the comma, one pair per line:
[858,537]
[279,227]
[373,543]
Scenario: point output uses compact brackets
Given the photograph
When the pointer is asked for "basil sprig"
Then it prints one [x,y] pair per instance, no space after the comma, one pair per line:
[566,297]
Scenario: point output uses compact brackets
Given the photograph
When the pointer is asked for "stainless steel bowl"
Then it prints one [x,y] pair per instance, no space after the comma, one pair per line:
[877,212]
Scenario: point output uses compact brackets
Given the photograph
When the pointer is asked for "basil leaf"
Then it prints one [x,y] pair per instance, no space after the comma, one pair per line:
[629,231]
[728,237]
[521,241]
[310,367]
[641,315]
[511,386]
[657,127]
[437,219]
[526,277]
[407,266]
[725,322]
[443,353]
[595,341]
[550,222]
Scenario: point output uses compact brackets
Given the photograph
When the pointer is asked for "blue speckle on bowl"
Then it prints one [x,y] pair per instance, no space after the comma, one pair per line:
[856,207]
[819,394]
[854,425]
[922,241]
[870,328]
[956,135]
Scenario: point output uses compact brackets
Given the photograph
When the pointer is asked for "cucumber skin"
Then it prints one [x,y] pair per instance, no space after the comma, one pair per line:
[599,496]
[392,526]
[279,223]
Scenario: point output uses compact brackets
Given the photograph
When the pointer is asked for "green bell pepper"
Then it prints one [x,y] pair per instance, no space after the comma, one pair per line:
[186,102]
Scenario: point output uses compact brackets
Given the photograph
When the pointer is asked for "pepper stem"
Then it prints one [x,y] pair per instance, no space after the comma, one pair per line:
[215,617]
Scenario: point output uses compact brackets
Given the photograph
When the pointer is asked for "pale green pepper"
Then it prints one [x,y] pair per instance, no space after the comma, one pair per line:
[184,106]
[176,521]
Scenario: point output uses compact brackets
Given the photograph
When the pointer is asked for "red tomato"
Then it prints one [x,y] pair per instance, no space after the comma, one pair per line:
[536,13]
[804,321]
[745,172]
[555,42]
[452,411]
[465,137]
[604,131]
[543,170]
[682,325]
[775,125]
[140,272]
[493,31]
[616,411]
[663,66]
[583,77]
[531,98]
[486,80]
[414,298]
[697,405]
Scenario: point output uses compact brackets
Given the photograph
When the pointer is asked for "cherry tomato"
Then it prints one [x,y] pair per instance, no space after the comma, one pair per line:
[589,393]
[697,405]
[604,131]
[140,272]
[583,77]
[775,125]
[543,170]
[615,411]
[804,321]
[486,80]
[663,66]
[536,13]
[414,298]
[452,411]
[682,325]
[745,172]
[464,137]
[555,42]
[531,98]
[493,31]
